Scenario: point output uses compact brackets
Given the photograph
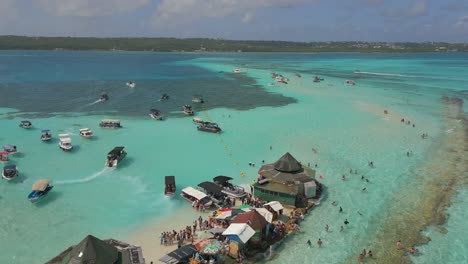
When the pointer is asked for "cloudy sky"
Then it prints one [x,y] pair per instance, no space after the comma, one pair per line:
[296,20]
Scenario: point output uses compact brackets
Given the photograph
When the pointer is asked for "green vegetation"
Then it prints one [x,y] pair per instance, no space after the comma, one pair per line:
[216,45]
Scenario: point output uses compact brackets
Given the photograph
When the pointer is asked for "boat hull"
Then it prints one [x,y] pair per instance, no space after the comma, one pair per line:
[35,196]
[66,148]
[9,178]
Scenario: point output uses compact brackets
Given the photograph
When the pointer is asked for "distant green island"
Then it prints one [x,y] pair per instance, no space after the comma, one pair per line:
[217,45]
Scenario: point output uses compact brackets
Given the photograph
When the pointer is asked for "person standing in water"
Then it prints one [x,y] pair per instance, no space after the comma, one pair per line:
[326,228]
[319,242]
[341,229]
[309,243]
[341,209]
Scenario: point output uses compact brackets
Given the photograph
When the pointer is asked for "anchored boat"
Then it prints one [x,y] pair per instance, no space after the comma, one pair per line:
[11,149]
[25,124]
[156,114]
[209,127]
[230,189]
[4,156]
[110,123]
[65,142]
[131,84]
[213,191]
[40,189]
[170,186]
[9,172]
[187,109]
[86,133]
[198,99]
[115,156]
[46,135]
[164,97]
[193,195]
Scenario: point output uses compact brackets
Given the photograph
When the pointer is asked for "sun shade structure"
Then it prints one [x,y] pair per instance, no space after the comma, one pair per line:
[212,188]
[180,255]
[265,213]
[243,231]
[194,193]
[40,185]
[221,179]
[92,250]
[275,205]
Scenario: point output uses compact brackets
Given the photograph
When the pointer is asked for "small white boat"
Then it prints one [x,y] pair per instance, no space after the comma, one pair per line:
[65,142]
[4,156]
[9,172]
[237,70]
[131,84]
[11,149]
[86,133]
[115,156]
[187,109]
[349,82]
[193,195]
[197,120]
[198,99]
[46,135]
[25,124]
[110,123]
[103,97]
[156,114]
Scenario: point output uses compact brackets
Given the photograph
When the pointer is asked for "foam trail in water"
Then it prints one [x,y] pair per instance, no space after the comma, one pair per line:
[93,103]
[86,179]
[408,76]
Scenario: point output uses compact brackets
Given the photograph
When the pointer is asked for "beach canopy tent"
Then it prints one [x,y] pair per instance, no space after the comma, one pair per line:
[212,188]
[41,185]
[253,218]
[194,193]
[180,255]
[89,250]
[276,206]
[265,213]
[242,231]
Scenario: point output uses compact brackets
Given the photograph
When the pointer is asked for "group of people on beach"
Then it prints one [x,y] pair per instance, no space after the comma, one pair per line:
[185,235]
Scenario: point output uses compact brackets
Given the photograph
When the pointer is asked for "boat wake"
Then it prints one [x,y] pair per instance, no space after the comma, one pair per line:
[408,76]
[93,103]
[86,179]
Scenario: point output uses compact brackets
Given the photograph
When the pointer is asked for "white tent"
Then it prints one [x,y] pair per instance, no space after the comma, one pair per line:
[265,213]
[275,205]
[194,193]
[243,231]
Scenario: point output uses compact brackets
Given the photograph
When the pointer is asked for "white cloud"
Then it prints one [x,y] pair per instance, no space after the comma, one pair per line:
[462,23]
[89,8]
[190,10]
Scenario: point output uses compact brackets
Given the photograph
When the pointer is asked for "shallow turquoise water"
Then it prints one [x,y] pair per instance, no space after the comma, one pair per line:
[344,124]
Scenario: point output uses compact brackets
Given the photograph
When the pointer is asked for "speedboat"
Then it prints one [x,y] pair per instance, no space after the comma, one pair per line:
[209,127]
[316,79]
[213,191]
[110,123]
[164,97]
[197,120]
[46,135]
[349,82]
[229,188]
[115,156]
[170,186]
[25,124]
[4,156]
[9,172]
[156,114]
[237,70]
[131,84]
[40,189]
[86,133]
[298,75]
[103,97]
[65,142]
[198,99]
[11,149]
[187,109]
[193,195]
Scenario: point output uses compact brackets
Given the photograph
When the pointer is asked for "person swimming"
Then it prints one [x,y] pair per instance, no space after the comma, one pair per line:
[343,177]
[334,203]
[346,222]
[309,243]
[341,209]
[364,189]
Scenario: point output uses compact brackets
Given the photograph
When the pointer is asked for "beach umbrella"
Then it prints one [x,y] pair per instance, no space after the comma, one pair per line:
[211,248]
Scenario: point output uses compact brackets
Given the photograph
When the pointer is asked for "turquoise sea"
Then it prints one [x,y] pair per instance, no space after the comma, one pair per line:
[345,125]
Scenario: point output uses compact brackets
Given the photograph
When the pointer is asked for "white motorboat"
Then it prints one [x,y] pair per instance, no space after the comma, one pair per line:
[25,124]
[9,172]
[131,84]
[46,135]
[237,70]
[86,133]
[187,109]
[193,195]
[156,114]
[115,156]
[65,142]
[349,82]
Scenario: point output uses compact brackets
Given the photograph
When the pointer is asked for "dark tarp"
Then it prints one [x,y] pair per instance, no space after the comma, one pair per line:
[221,179]
[89,250]
[252,218]
[287,163]
[116,151]
[211,187]
[170,179]
[180,254]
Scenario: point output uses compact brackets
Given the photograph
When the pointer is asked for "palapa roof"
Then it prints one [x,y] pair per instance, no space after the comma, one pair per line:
[90,250]
[287,163]
[252,218]
[287,170]
[40,185]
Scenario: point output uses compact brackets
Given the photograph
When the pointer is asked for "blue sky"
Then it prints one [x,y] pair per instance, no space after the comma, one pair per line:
[295,20]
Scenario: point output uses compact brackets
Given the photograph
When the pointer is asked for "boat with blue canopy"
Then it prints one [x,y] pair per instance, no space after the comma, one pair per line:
[40,189]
